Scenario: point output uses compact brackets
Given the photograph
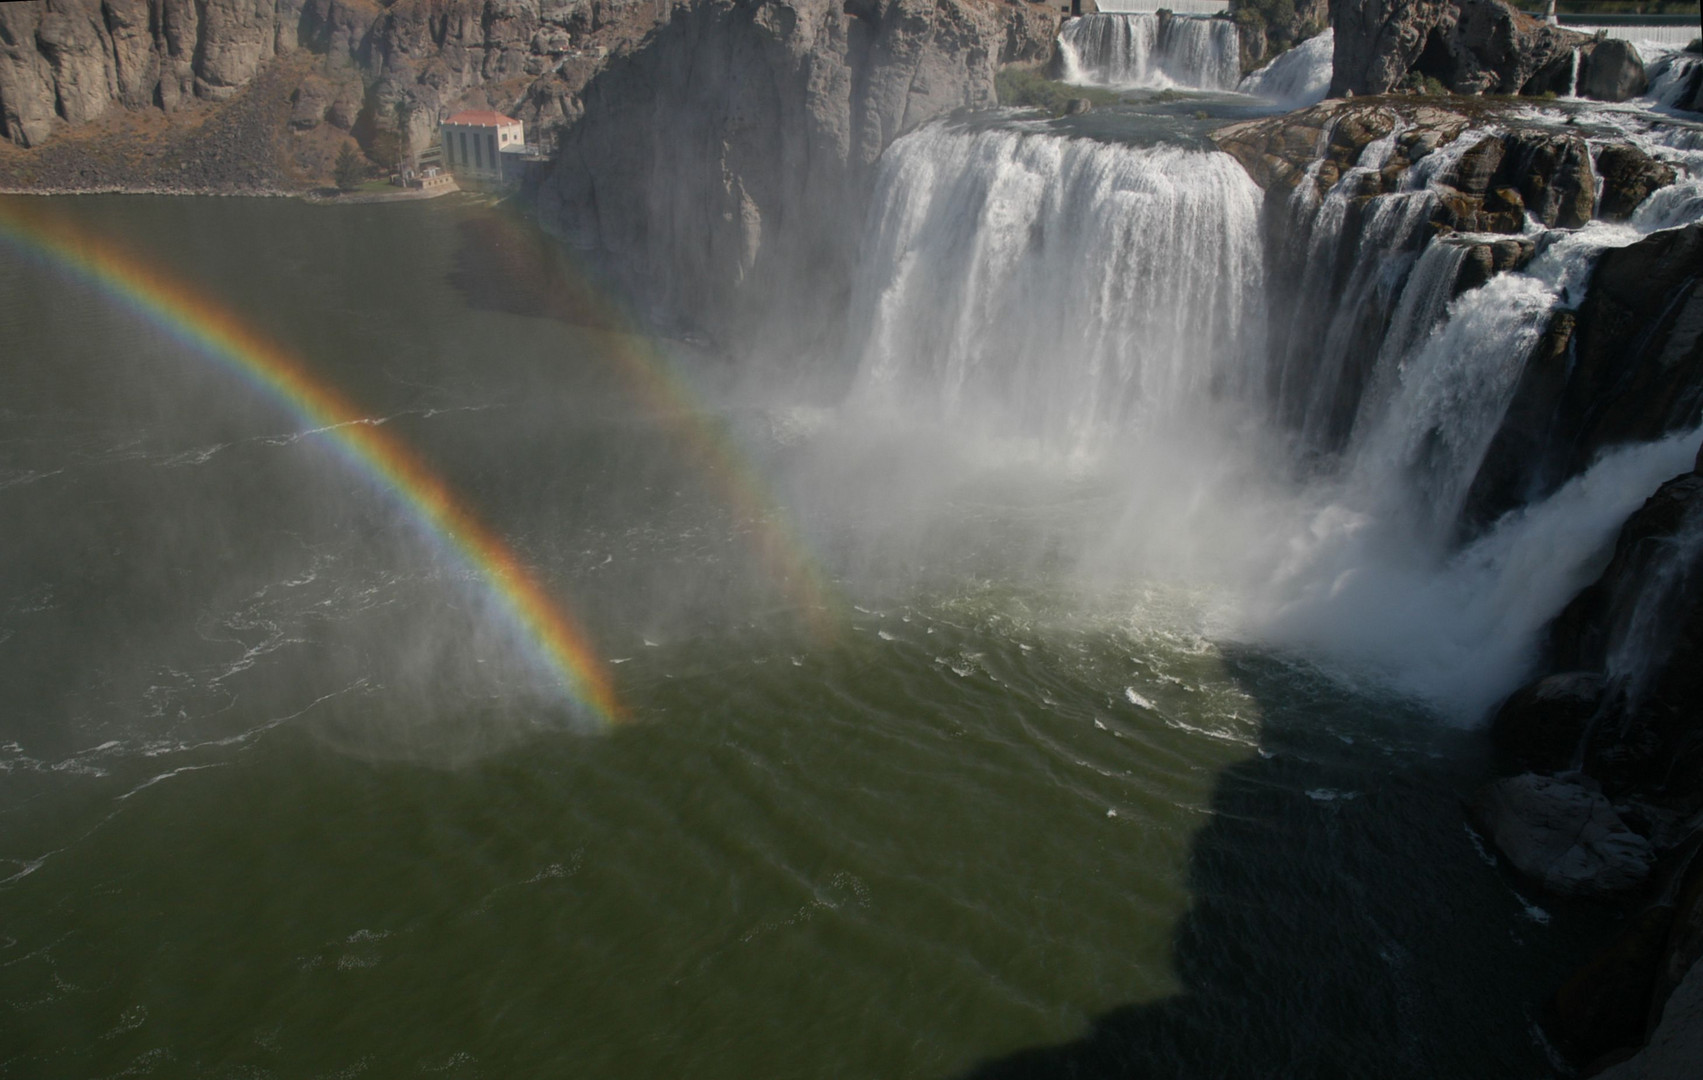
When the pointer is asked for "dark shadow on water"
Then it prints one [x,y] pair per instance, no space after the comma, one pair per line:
[503,263]
[1343,922]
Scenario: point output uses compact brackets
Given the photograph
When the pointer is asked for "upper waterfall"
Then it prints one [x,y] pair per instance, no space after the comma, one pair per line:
[1158,50]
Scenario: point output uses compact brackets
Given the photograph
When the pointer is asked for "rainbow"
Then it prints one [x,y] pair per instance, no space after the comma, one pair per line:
[219,334]
[532,263]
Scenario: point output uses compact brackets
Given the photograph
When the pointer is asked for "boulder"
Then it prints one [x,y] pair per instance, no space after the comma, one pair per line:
[1485,259]
[1629,176]
[1611,70]
[1562,833]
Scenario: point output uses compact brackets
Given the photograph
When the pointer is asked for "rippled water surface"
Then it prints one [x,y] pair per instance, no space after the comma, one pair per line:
[282,795]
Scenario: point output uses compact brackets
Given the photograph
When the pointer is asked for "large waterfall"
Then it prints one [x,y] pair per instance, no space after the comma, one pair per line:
[1158,50]
[1302,445]
[1066,289]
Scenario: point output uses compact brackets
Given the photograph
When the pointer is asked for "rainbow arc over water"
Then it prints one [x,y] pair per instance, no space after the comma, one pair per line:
[221,335]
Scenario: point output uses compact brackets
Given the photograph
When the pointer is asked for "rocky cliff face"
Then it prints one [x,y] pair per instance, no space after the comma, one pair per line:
[1471,47]
[723,169]
[388,68]
[1620,728]
[70,61]
[1626,366]
[393,67]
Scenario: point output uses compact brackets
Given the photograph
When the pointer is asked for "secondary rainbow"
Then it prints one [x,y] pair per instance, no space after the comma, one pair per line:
[672,403]
[218,333]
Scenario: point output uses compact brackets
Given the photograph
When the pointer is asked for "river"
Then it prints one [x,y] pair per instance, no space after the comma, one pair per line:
[285,794]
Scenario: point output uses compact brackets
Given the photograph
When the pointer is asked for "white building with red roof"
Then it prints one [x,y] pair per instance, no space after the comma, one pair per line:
[480,144]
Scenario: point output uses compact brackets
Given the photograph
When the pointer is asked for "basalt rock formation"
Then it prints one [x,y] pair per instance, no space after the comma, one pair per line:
[1624,720]
[1471,47]
[1490,188]
[717,170]
[376,68]
[1626,366]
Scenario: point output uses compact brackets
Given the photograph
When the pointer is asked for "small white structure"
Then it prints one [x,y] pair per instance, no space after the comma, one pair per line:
[479,144]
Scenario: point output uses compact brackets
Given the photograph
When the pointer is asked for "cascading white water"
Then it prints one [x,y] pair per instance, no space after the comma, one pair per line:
[1297,77]
[1066,287]
[1155,51]
[1673,76]
[1110,303]
[1643,643]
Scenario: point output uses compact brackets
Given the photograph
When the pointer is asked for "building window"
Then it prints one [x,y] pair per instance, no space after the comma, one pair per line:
[464,158]
[495,161]
[478,151]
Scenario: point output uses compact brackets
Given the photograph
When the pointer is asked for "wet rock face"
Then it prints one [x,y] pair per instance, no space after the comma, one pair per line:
[1629,176]
[1491,188]
[1542,727]
[1564,834]
[1503,178]
[1630,729]
[1642,622]
[1628,368]
[738,118]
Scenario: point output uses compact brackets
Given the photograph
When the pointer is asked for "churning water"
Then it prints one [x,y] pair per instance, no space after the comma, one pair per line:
[1063,697]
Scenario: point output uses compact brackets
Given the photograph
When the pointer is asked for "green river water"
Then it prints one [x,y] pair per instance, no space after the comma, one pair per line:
[280,798]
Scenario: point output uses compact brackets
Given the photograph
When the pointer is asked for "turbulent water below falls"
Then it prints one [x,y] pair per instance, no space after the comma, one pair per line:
[1093,716]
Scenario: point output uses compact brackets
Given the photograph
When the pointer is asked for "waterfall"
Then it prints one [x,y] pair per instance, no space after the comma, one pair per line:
[1297,77]
[1573,77]
[1675,77]
[1066,287]
[1642,638]
[1299,439]
[1157,51]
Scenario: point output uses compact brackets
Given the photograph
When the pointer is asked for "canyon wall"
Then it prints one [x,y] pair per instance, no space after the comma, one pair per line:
[724,170]
[64,63]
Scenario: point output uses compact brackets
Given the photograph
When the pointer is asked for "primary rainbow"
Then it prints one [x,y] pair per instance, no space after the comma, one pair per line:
[218,333]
